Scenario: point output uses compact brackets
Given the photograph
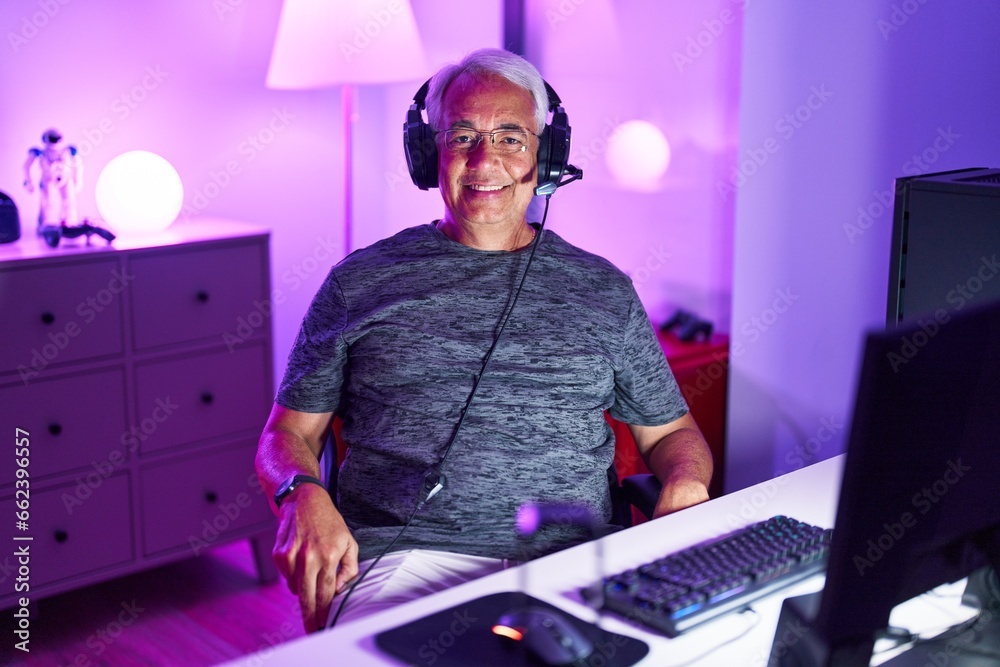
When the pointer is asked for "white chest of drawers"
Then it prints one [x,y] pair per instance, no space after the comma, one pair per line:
[131,374]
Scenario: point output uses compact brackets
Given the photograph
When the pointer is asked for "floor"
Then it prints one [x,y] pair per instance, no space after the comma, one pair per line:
[197,612]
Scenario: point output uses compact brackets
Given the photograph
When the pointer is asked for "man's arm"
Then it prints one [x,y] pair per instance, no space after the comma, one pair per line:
[680,458]
[314,549]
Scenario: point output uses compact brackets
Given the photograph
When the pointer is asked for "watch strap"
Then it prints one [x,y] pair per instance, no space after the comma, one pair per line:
[293,483]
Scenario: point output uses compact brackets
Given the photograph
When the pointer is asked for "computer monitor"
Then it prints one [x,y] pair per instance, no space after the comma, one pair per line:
[945,244]
[919,503]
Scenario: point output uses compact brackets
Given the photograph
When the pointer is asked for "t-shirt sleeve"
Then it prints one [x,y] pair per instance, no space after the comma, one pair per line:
[314,376]
[646,393]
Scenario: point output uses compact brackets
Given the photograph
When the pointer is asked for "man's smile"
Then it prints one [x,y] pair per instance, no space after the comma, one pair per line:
[485,188]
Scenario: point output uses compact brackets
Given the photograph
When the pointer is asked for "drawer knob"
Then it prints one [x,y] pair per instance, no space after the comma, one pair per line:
[61,536]
[48,318]
[202,296]
[211,496]
[55,428]
[207,398]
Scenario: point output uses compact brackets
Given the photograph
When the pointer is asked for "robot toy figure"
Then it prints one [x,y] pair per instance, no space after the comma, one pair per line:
[61,176]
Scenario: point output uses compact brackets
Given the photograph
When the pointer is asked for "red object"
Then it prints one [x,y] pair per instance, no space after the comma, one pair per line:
[702,371]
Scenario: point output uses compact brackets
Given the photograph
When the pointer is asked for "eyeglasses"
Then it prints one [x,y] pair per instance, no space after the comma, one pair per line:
[466,140]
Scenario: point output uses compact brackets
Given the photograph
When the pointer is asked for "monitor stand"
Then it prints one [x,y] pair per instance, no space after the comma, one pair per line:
[796,643]
[978,646]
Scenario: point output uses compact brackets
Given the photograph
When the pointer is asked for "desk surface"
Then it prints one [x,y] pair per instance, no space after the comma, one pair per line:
[809,494]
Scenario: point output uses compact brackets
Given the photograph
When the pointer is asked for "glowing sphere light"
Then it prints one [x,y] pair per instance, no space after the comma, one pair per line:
[638,155]
[139,193]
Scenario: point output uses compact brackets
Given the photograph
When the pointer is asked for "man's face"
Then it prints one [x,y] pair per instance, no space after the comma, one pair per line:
[486,186]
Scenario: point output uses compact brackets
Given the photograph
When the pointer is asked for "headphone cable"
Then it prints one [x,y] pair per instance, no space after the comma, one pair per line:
[433,476]
[496,339]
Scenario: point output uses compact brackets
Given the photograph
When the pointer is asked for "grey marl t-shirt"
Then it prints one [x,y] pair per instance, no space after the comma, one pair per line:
[393,341]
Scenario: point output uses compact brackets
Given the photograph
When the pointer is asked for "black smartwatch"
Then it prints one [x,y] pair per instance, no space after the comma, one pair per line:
[290,485]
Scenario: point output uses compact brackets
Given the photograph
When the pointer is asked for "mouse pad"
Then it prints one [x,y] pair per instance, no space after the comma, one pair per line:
[463,636]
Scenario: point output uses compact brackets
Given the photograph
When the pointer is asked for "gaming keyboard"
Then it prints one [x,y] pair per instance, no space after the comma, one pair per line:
[684,589]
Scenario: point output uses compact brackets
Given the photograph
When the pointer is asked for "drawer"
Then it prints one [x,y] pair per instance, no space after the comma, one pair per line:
[198,501]
[74,422]
[188,399]
[75,529]
[60,313]
[197,294]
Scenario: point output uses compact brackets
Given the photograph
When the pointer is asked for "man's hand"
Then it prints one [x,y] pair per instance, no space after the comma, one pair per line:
[314,551]
[678,496]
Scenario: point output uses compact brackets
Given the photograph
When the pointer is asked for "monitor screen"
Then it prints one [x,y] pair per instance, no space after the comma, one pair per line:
[918,505]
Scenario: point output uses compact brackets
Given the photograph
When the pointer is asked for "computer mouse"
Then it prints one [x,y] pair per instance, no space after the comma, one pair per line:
[546,634]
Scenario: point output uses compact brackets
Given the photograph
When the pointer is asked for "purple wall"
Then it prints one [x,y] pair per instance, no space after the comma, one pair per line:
[838,100]
[675,65]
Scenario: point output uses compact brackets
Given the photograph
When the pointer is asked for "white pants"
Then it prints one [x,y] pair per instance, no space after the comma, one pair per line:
[402,576]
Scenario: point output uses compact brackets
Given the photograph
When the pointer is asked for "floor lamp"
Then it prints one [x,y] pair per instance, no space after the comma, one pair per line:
[325,43]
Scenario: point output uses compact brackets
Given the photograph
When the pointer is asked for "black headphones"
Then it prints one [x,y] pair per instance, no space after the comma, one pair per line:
[553,146]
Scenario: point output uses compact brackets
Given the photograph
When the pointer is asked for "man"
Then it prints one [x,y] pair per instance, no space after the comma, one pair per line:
[396,341]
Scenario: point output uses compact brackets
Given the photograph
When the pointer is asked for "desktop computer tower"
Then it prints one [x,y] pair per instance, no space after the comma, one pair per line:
[945,251]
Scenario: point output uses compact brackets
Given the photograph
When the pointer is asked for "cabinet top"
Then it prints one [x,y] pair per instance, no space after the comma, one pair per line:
[30,246]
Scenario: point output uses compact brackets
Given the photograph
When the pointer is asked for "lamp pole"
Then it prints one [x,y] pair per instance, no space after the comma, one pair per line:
[347,108]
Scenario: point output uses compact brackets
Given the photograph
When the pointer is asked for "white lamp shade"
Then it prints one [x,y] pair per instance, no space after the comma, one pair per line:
[324,43]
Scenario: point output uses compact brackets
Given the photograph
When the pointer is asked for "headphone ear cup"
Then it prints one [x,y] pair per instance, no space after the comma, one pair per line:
[420,149]
[553,151]
[544,152]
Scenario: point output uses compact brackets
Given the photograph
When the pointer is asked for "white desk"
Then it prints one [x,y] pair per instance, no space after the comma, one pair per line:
[809,495]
